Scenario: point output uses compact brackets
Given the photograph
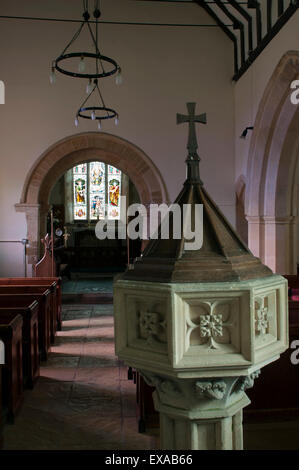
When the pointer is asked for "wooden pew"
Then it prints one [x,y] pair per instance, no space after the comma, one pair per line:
[58,295]
[12,299]
[32,290]
[53,283]
[147,416]
[30,353]
[293,280]
[1,414]
[12,371]
[55,295]
[35,290]
[38,287]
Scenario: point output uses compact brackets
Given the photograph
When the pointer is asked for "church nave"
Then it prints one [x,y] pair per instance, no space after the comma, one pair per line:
[149,236]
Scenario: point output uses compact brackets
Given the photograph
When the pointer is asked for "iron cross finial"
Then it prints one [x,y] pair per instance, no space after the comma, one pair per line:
[191,118]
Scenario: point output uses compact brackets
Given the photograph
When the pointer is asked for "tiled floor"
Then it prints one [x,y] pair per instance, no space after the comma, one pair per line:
[82,399]
[88,286]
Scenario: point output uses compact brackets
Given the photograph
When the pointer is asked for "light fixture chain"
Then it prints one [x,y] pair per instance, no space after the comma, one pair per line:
[93,112]
[88,97]
[97,63]
[93,38]
[102,99]
[96,46]
[73,39]
[85,7]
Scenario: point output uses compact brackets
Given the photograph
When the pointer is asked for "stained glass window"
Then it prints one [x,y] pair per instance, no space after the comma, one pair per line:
[114,189]
[97,190]
[80,191]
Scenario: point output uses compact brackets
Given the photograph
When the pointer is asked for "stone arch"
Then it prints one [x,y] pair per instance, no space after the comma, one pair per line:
[76,149]
[270,200]
[241,221]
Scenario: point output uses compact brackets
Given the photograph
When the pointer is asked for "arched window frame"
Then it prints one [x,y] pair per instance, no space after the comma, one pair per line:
[96,191]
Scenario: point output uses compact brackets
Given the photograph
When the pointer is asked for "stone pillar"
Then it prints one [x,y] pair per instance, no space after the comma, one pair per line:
[254,236]
[291,237]
[43,215]
[274,240]
[33,235]
[68,197]
[200,414]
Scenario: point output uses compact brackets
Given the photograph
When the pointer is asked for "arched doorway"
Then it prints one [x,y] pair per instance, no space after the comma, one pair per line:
[271,200]
[76,149]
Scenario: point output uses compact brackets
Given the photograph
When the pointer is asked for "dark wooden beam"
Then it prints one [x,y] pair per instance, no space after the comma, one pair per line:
[268,38]
[262,42]
[269,15]
[248,18]
[280,7]
[224,28]
[254,4]
[236,25]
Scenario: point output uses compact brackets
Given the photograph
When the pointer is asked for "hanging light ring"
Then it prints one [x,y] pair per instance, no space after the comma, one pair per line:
[102,112]
[98,57]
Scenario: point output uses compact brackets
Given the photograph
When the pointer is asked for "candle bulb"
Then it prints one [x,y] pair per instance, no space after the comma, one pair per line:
[89,87]
[119,79]
[52,77]
[81,66]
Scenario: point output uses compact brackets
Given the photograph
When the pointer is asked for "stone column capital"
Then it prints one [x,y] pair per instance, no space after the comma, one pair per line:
[202,398]
[24,207]
[253,219]
[269,219]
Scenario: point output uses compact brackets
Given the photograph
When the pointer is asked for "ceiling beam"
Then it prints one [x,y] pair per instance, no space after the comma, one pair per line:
[248,18]
[237,24]
[280,7]
[254,4]
[224,28]
[269,15]
[292,8]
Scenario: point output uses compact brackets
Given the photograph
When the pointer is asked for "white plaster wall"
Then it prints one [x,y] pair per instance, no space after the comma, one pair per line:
[163,68]
[251,86]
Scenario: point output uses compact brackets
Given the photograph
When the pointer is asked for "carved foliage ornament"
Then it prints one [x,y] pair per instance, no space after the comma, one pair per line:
[162,385]
[212,327]
[215,390]
[262,316]
[247,382]
[151,325]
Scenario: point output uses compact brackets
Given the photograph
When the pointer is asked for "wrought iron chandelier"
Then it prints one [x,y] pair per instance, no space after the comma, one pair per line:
[100,66]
